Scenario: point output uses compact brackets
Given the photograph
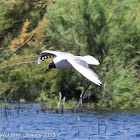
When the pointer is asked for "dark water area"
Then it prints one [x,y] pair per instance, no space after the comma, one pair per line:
[32,123]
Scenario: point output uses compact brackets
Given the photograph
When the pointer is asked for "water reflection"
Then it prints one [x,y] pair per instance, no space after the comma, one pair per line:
[30,122]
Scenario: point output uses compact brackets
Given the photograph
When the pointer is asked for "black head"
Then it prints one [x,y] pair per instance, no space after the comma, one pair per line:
[51,65]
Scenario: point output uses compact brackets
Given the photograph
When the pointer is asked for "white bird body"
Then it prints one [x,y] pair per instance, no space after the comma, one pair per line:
[67,60]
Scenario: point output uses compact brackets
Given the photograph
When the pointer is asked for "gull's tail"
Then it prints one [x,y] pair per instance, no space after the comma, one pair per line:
[90,60]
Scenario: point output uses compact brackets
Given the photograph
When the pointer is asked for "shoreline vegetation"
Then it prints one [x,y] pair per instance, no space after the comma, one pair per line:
[107,30]
[69,105]
[59,105]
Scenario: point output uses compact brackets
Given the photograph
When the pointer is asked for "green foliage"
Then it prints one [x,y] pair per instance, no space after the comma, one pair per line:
[108,30]
[121,81]
[47,101]
[51,101]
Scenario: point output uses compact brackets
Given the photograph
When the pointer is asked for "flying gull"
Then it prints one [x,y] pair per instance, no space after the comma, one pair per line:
[68,60]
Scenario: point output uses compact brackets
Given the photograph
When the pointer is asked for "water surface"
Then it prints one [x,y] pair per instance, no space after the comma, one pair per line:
[32,123]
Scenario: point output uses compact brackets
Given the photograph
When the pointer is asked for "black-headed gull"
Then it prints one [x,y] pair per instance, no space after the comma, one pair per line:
[67,60]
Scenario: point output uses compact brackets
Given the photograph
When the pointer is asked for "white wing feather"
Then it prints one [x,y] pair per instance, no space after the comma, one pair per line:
[56,53]
[82,67]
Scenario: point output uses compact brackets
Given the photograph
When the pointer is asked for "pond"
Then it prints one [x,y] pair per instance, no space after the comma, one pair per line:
[29,122]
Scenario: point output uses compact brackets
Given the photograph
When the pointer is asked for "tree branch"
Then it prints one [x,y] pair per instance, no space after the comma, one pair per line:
[23,44]
[80,100]
[66,38]
[63,35]
[68,88]
[19,47]
[18,64]
[4,48]
[136,65]
[104,52]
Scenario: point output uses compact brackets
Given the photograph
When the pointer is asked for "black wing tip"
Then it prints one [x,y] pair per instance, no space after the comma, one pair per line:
[44,56]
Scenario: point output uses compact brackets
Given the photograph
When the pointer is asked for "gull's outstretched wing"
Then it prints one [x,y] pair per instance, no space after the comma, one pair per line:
[82,67]
[49,53]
